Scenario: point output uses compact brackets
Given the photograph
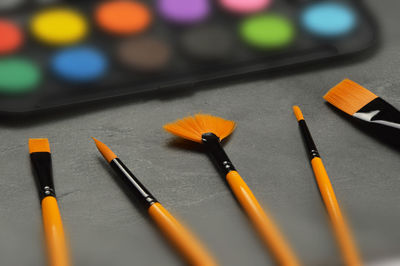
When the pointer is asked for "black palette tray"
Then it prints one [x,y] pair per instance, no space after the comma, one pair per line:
[182,70]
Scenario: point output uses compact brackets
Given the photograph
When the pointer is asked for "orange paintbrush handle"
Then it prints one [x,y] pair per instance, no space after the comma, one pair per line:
[180,237]
[342,232]
[54,231]
[265,226]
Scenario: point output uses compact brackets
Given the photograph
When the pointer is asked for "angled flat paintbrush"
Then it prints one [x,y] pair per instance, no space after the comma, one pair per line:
[210,131]
[39,150]
[188,246]
[361,103]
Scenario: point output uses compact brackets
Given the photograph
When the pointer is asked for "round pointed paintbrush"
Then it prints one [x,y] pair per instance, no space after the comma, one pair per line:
[210,131]
[182,239]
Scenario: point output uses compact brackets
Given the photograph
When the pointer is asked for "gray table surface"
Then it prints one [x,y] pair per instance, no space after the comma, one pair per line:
[106,228]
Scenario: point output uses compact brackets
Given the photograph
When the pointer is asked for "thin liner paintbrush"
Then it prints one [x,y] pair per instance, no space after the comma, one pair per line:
[57,252]
[187,245]
[210,131]
[341,230]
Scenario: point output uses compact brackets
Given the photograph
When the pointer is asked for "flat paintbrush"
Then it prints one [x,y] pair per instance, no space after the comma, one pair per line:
[39,150]
[361,103]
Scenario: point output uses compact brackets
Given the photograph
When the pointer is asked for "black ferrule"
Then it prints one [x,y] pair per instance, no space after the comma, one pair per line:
[213,145]
[41,163]
[308,140]
[136,187]
[386,112]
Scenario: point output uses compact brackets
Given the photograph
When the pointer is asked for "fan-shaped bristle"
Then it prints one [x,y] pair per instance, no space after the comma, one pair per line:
[193,127]
[349,96]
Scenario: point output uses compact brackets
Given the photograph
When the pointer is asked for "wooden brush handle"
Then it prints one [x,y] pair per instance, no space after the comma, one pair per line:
[341,230]
[190,248]
[54,232]
[265,226]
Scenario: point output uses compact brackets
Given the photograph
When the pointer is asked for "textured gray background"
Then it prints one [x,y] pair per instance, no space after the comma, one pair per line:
[105,228]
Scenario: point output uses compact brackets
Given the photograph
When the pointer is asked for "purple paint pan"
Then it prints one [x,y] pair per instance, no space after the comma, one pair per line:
[184,11]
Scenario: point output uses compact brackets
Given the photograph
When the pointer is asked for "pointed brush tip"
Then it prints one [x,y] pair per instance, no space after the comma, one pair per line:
[96,141]
[107,153]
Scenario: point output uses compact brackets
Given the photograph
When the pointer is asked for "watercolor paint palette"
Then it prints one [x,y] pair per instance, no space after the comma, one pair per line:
[58,53]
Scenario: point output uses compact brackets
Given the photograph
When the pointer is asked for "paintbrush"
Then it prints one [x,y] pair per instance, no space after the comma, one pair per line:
[210,131]
[188,246]
[39,150]
[341,230]
[361,103]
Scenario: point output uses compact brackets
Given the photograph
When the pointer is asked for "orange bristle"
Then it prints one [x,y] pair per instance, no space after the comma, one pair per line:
[297,112]
[39,145]
[349,96]
[193,127]
[107,153]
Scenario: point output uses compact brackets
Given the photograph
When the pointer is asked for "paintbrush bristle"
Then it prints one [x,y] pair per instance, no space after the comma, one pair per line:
[297,112]
[349,96]
[39,145]
[193,127]
[107,153]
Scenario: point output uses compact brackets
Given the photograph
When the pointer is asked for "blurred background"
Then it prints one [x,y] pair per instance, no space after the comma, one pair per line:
[71,70]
